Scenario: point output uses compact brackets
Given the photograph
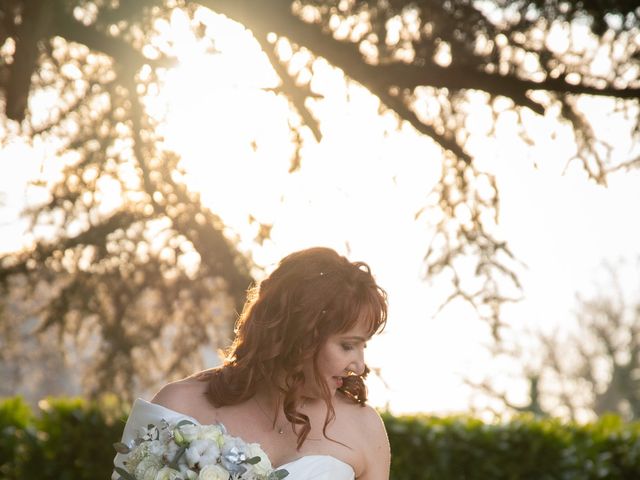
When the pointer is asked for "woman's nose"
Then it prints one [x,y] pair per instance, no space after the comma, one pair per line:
[357,366]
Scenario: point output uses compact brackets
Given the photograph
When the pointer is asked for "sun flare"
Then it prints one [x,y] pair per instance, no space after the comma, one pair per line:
[221,116]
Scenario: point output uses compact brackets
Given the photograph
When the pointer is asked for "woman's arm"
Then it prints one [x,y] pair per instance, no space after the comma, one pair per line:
[377,452]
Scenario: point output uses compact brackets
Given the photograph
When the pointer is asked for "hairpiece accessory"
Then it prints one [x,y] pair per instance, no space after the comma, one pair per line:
[321,274]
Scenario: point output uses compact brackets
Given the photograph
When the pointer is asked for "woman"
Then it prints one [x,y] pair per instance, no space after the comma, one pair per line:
[293,380]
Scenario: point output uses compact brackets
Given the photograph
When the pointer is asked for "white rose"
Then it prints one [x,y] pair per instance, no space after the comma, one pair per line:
[213,472]
[148,468]
[167,473]
[189,432]
[263,467]
[211,432]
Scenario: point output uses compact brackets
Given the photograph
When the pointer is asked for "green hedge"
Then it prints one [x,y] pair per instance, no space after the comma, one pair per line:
[69,439]
[524,448]
[72,438]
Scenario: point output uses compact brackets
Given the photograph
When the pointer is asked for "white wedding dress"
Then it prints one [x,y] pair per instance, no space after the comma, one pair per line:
[309,467]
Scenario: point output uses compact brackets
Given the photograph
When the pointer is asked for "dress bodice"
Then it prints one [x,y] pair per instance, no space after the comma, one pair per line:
[308,467]
[318,467]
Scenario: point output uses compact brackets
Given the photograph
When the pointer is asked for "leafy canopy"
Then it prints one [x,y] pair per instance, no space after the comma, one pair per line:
[121,272]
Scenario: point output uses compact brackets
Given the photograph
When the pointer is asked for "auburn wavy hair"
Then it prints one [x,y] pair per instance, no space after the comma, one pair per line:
[311,295]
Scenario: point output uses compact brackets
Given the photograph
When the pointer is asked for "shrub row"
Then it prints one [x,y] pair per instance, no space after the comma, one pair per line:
[69,439]
[72,439]
[524,448]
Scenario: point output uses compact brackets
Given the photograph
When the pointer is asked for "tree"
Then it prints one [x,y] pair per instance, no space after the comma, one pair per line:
[592,370]
[134,269]
[21,350]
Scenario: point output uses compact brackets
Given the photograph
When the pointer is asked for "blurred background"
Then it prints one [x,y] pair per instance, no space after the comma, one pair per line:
[158,157]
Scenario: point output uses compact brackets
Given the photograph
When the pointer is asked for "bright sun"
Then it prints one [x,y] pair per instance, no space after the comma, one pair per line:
[221,116]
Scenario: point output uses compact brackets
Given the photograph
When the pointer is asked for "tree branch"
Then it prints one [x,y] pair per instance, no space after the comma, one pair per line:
[35,26]
[289,87]
[380,78]
[115,47]
[119,220]
[399,106]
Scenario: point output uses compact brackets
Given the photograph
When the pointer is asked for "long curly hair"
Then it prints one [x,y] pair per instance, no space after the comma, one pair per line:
[311,295]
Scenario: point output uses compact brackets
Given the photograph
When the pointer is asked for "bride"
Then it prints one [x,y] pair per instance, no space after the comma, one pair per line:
[293,379]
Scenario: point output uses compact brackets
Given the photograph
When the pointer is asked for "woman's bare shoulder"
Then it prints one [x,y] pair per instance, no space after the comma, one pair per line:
[365,417]
[362,412]
[373,441]
[371,420]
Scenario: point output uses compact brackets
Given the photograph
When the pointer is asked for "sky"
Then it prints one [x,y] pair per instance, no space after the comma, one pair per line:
[358,191]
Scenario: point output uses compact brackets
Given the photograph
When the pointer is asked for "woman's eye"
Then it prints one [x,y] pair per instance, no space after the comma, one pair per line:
[347,347]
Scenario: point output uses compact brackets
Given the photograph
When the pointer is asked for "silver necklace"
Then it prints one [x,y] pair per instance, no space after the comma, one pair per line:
[278,428]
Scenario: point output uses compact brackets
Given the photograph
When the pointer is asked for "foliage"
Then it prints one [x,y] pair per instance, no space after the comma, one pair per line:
[72,439]
[524,448]
[160,265]
[15,416]
[68,439]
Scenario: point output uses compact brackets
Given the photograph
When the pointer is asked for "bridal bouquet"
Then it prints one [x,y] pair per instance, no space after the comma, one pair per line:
[186,451]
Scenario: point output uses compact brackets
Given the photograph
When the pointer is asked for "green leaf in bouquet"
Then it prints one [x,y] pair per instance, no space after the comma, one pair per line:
[124,474]
[184,422]
[121,448]
[179,438]
[252,460]
[278,475]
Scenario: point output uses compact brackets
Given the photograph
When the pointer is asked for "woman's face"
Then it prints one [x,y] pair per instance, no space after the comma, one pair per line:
[340,355]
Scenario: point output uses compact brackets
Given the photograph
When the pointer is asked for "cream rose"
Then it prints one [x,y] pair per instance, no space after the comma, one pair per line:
[213,472]
[148,468]
[188,432]
[167,473]
[263,467]
[211,432]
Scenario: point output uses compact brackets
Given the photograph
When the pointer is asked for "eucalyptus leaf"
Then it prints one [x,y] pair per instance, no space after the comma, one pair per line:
[184,422]
[121,447]
[278,475]
[252,460]
[124,474]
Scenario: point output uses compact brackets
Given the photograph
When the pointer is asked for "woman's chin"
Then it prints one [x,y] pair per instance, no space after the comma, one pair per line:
[333,384]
